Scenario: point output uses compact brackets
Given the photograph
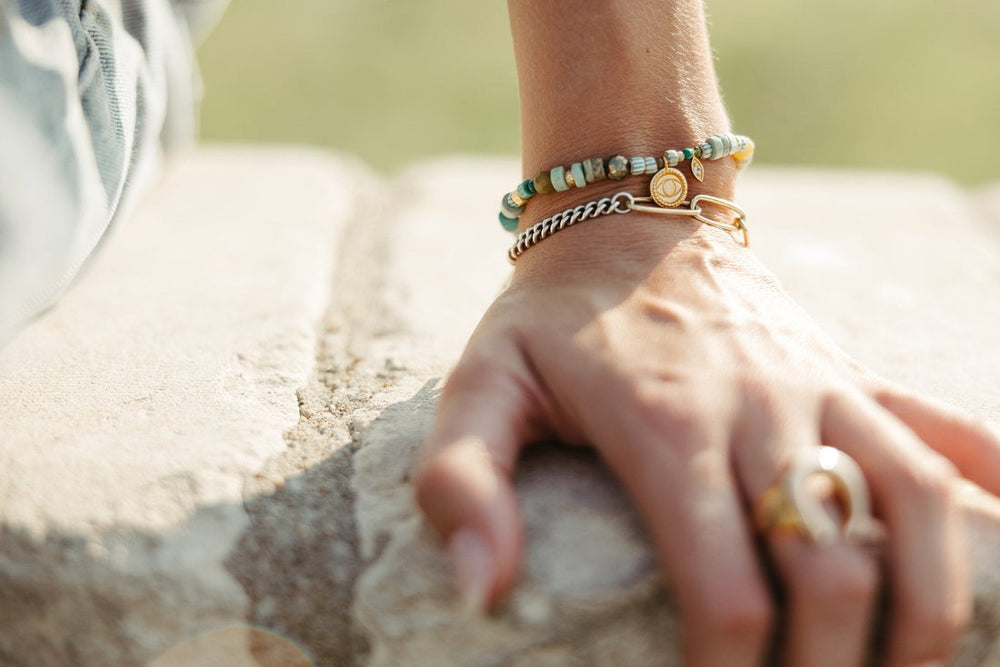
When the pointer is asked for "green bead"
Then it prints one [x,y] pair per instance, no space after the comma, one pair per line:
[526,189]
[578,176]
[509,224]
[543,183]
[688,153]
[558,176]
[618,167]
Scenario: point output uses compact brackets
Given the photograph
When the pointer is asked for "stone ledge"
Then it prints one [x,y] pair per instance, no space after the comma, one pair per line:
[133,413]
[213,432]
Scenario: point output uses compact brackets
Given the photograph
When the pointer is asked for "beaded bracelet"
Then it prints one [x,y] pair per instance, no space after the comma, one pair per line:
[669,187]
[625,202]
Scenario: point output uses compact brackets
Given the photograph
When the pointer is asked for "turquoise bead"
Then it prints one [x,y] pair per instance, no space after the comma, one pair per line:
[672,157]
[637,165]
[509,224]
[578,176]
[705,151]
[509,208]
[526,189]
[716,144]
[651,165]
[558,176]
[688,153]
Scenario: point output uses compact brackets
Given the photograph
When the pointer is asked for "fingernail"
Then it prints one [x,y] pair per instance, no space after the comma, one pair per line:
[473,563]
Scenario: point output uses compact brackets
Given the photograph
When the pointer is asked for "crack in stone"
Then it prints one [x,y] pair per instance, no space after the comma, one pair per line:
[300,558]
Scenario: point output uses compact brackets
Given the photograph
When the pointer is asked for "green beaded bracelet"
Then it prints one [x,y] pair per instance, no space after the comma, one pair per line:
[594,169]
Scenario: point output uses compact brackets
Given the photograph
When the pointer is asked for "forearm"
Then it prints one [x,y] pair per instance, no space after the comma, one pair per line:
[630,77]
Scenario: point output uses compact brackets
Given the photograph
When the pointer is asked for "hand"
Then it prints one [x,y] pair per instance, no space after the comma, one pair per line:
[677,356]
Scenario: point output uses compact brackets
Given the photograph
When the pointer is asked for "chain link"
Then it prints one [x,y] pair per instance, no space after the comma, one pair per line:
[622,203]
[560,221]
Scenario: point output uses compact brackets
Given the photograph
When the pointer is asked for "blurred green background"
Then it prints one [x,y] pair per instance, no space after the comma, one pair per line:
[901,84]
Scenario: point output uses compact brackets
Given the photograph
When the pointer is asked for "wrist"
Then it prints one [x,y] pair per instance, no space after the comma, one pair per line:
[618,78]
[612,78]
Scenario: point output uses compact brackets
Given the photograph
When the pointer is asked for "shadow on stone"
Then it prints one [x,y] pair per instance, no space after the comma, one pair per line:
[301,557]
[299,560]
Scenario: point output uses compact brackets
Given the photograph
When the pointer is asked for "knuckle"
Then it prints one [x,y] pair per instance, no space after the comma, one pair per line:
[741,613]
[470,372]
[760,394]
[430,476]
[856,589]
[851,585]
[935,628]
[931,479]
[982,429]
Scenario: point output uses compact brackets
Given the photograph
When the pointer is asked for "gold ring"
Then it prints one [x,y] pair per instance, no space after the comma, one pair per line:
[788,504]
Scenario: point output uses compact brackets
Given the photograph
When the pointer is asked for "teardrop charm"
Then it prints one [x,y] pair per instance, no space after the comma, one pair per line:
[697,168]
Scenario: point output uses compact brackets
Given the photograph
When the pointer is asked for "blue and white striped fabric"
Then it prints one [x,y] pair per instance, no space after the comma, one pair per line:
[91,91]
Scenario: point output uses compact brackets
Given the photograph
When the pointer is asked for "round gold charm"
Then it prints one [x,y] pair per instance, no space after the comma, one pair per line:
[668,188]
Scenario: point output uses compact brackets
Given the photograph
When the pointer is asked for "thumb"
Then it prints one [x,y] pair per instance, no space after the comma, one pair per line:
[463,484]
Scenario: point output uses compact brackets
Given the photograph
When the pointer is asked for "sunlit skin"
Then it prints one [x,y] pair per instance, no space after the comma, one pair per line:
[671,350]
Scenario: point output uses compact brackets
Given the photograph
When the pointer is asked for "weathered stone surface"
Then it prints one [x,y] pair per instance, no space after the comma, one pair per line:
[212,435]
[132,414]
[900,270]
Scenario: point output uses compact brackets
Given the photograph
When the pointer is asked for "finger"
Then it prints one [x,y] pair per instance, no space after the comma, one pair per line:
[829,590]
[914,489]
[831,593]
[679,476]
[463,483]
[973,445]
